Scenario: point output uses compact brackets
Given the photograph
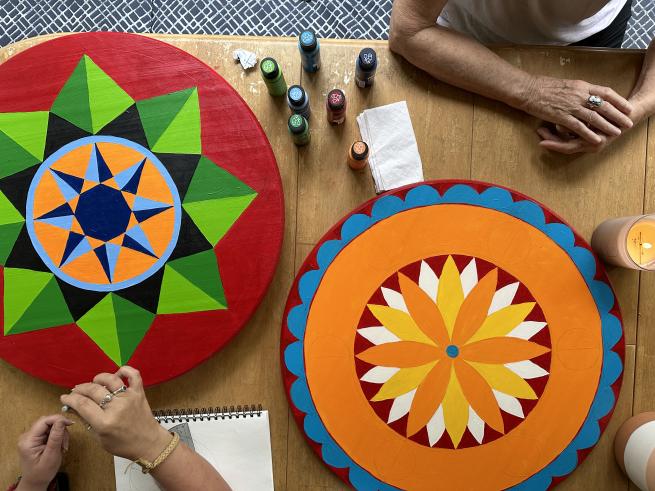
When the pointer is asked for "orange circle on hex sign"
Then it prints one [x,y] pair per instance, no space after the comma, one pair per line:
[79,166]
[357,272]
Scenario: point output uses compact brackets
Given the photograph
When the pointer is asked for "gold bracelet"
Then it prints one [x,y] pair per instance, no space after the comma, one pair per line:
[147,467]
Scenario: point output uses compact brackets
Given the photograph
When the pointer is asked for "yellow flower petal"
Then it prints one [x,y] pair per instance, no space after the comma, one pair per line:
[455,410]
[450,294]
[504,380]
[402,382]
[503,321]
[400,323]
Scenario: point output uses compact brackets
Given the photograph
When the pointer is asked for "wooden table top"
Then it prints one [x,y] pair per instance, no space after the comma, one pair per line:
[459,136]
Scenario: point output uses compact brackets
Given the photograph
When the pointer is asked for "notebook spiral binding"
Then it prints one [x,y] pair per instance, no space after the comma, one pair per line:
[206,414]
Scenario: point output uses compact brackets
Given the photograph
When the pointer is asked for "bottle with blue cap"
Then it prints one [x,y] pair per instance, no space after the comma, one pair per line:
[310,51]
[298,100]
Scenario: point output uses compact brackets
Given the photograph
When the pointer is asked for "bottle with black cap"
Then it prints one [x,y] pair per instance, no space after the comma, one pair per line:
[358,155]
[298,100]
[310,51]
[299,129]
[365,67]
[273,77]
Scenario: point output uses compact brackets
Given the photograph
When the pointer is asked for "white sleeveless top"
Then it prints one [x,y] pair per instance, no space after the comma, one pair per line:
[529,21]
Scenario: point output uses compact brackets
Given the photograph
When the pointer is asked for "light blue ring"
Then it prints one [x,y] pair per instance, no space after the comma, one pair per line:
[29,220]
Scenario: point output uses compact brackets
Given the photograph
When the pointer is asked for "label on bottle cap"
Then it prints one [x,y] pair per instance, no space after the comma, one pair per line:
[360,150]
[297,123]
[308,40]
[269,67]
[368,58]
[336,99]
[296,95]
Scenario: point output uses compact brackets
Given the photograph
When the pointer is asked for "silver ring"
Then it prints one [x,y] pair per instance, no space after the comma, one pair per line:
[89,427]
[121,389]
[594,101]
[106,400]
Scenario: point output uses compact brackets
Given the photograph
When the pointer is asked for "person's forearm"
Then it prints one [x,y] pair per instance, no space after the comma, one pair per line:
[643,94]
[461,61]
[184,469]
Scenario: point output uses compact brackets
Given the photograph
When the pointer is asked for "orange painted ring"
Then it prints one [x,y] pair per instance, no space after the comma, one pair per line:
[336,285]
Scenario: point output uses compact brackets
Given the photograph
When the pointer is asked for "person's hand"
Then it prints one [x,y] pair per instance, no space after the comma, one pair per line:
[564,102]
[125,426]
[40,450]
[558,139]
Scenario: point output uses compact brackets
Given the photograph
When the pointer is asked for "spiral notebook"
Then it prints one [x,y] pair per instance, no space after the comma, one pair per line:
[235,440]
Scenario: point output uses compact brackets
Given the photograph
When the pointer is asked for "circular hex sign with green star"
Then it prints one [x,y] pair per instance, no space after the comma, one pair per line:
[141,210]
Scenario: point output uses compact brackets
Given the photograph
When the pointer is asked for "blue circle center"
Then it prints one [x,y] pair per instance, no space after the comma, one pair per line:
[452,351]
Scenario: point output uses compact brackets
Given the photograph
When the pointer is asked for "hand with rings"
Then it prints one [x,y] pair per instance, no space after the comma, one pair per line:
[592,114]
[119,414]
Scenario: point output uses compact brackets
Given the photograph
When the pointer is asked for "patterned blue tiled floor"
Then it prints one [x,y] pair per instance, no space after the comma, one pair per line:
[366,19]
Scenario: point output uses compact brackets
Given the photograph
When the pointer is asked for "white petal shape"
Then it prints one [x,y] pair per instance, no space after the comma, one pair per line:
[526,369]
[503,297]
[509,404]
[469,277]
[379,375]
[378,334]
[436,426]
[526,329]
[475,425]
[428,281]
[394,299]
[400,406]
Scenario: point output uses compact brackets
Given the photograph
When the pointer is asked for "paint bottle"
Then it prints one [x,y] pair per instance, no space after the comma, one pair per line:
[336,106]
[365,66]
[299,129]
[298,101]
[310,51]
[273,77]
[358,155]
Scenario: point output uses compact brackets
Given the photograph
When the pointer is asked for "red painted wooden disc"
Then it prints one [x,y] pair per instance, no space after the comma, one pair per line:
[233,153]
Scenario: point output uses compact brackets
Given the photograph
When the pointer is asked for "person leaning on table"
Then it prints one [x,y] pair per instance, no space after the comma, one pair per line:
[445,38]
[121,420]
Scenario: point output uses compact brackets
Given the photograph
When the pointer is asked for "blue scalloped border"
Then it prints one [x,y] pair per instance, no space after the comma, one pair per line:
[497,199]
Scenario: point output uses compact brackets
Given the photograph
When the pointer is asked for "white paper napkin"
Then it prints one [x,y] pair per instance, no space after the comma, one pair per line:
[393,154]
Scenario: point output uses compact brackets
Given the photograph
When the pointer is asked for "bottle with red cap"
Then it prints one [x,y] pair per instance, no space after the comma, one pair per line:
[336,106]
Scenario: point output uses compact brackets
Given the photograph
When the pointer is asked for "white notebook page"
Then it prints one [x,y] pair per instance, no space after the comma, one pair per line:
[240,448]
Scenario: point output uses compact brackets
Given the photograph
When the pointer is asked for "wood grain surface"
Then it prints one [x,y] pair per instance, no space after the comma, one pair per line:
[459,136]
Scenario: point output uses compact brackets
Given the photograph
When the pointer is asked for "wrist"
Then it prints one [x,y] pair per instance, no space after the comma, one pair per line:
[150,447]
[522,91]
[643,107]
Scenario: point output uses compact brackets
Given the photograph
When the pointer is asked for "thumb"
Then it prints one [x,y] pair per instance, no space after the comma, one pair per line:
[56,437]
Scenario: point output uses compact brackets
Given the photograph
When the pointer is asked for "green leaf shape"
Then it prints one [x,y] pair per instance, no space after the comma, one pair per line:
[11,223]
[172,122]
[117,326]
[90,99]
[33,301]
[192,284]
[216,199]
[13,157]
[27,130]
